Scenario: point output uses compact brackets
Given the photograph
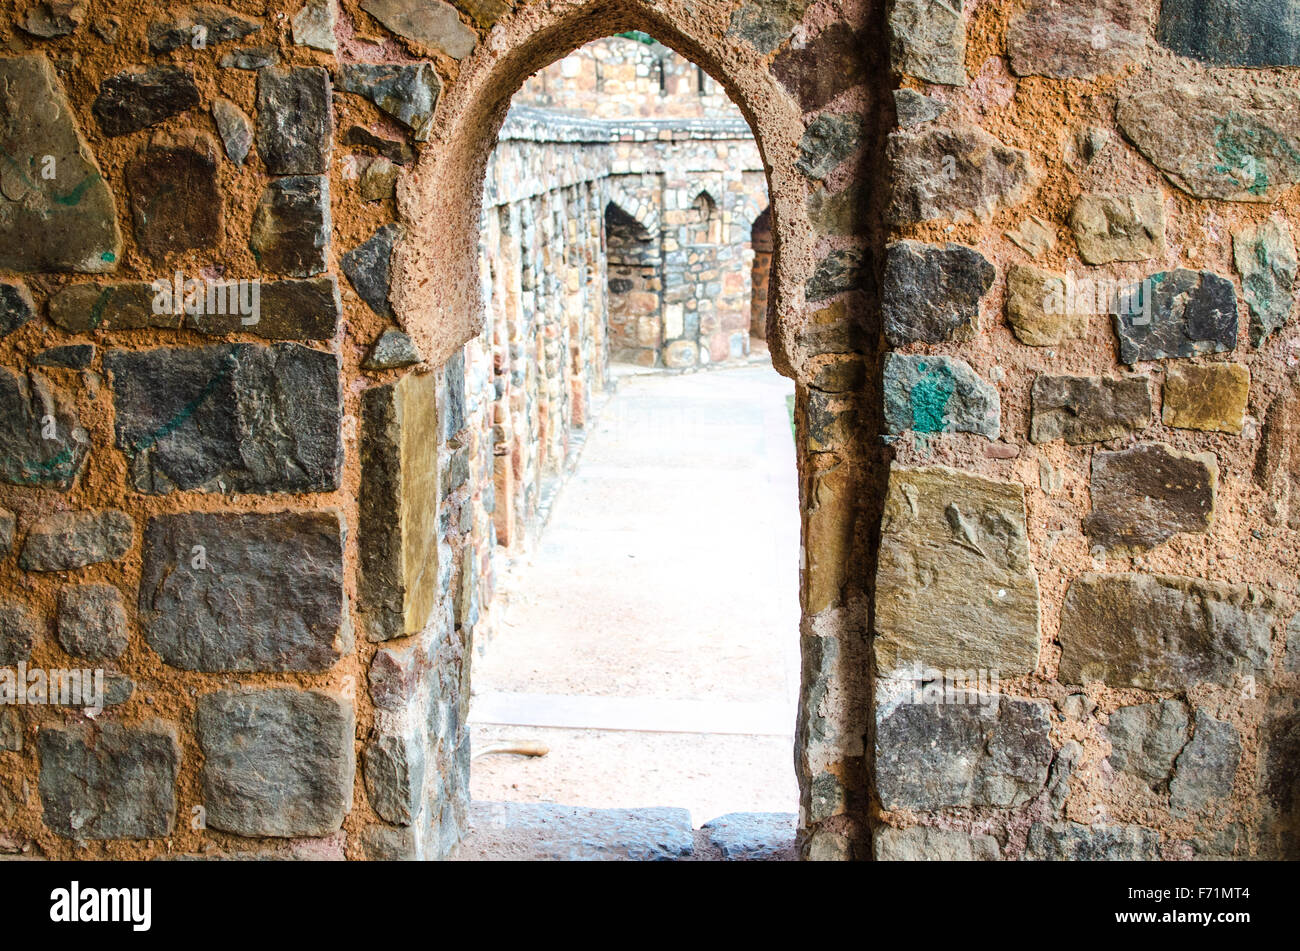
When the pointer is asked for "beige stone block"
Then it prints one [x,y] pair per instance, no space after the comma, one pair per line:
[1211,397]
[955,586]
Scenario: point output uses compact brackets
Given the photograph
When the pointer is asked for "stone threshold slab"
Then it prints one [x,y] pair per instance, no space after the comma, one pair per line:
[638,714]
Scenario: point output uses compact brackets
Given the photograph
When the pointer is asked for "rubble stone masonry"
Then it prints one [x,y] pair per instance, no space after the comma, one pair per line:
[1033,272]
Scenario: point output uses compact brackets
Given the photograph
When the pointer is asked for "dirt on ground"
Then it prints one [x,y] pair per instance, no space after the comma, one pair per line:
[668,572]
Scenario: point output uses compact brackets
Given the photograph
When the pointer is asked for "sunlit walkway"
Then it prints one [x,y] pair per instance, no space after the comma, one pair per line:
[651,640]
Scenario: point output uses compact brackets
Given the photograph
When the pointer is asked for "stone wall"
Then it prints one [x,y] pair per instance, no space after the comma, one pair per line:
[685,184]
[1049,615]
[1089,272]
[628,76]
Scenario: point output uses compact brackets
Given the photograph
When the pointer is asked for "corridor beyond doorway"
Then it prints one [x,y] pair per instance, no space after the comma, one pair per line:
[650,640]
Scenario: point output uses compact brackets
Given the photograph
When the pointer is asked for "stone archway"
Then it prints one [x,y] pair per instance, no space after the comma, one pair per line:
[436,278]
[436,294]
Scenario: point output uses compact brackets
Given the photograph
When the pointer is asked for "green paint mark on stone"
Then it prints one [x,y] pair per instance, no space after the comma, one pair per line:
[78,192]
[229,365]
[1239,143]
[97,310]
[930,395]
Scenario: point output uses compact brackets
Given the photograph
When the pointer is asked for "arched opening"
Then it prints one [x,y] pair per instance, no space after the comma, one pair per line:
[438,277]
[634,263]
[434,268]
[656,663]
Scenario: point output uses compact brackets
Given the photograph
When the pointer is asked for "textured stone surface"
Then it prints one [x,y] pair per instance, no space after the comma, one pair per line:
[937,756]
[200,26]
[1230,842]
[71,540]
[176,203]
[392,350]
[42,442]
[931,294]
[752,836]
[8,528]
[16,306]
[385,843]
[399,496]
[314,24]
[1216,139]
[928,844]
[680,354]
[1212,397]
[927,39]
[938,395]
[91,621]
[1119,227]
[829,140]
[378,179]
[954,172]
[287,310]
[766,24]
[80,308]
[1191,312]
[1078,39]
[824,67]
[76,356]
[1265,256]
[64,223]
[1144,495]
[521,831]
[110,782]
[295,120]
[1074,842]
[408,93]
[291,225]
[118,689]
[254,592]
[913,108]
[428,22]
[1277,465]
[235,129]
[1206,767]
[277,762]
[395,150]
[367,267]
[954,585]
[53,18]
[1163,632]
[1146,738]
[233,417]
[1038,309]
[840,212]
[1033,235]
[19,631]
[1063,767]
[838,272]
[1232,32]
[485,12]
[394,775]
[290,310]
[131,101]
[11,731]
[1083,409]
[252,58]
[1279,775]
[394,677]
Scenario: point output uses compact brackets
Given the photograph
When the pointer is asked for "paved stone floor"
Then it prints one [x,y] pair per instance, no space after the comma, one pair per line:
[650,640]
